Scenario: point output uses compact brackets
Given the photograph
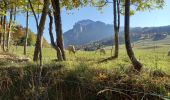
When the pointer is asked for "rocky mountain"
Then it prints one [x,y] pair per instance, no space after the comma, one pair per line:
[87,31]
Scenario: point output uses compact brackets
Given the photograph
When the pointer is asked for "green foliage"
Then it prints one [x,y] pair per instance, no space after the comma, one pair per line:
[31,39]
[143,5]
[18,37]
[45,43]
[72,4]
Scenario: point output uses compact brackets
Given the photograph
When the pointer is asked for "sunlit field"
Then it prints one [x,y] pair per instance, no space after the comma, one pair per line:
[84,72]
[152,54]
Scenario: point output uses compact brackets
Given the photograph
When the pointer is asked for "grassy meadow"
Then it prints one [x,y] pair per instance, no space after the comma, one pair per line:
[84,77]
[152,54]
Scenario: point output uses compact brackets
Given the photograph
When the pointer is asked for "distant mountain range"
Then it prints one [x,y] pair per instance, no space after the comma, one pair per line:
[88,31]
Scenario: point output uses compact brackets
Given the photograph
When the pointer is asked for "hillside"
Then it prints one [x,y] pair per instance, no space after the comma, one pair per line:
[88,31]
[18,37]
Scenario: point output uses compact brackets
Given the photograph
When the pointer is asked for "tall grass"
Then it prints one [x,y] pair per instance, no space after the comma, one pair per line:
[83,77]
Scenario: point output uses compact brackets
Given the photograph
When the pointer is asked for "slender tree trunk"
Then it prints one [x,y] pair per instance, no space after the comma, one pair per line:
[1,24]
[36,19]
[14,22]
[4,33]
[116,26]
[15,12]
[137,65]
[59,53]
[58,26]
[9,30]
[38,45]
[4,25]
[26,33]
[37,49]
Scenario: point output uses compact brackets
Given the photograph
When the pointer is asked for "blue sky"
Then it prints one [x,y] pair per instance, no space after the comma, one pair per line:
[140,19]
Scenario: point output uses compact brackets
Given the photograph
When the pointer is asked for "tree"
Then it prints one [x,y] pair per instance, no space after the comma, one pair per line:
[4,32]
[137,65]
[4,23]
[34,12]
[55,46]
[140,5]
[1,32]
[9,30]
[58,27]
[38,45]
[116,14]
[26,32]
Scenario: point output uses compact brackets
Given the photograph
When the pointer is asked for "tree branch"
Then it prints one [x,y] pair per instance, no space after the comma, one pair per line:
[34,13]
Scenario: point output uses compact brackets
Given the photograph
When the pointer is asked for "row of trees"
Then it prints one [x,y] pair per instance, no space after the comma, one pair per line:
[52,8]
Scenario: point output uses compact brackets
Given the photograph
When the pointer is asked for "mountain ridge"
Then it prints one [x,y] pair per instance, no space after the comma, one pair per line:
[86,31]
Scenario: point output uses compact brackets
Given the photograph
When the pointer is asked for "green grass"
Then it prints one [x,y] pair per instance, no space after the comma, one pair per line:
[152,54]
[84,69]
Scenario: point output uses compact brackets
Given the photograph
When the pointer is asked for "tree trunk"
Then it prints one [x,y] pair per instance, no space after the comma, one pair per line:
[9,30]
[59,53]
[116,26]
[137,65]
[1,24]
[38,45]
[58,26]
[36,19]
[4,33]
[15,13]
[26,33]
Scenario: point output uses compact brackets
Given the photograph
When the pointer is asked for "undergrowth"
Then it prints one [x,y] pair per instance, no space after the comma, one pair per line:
[59,82]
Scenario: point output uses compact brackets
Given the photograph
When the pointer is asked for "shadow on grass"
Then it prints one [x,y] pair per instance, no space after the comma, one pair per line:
[82,82]
[107,59]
